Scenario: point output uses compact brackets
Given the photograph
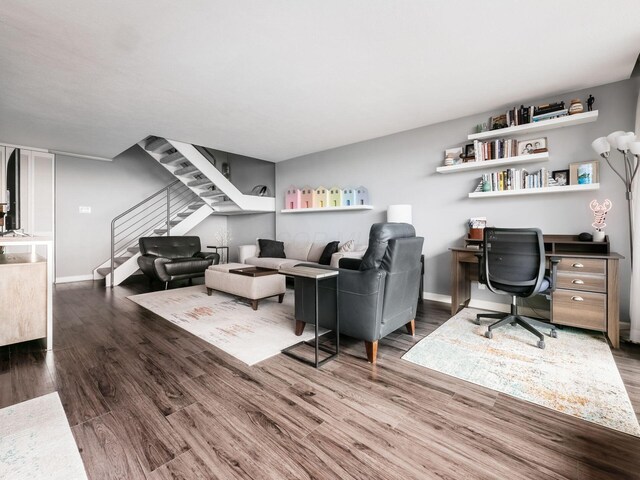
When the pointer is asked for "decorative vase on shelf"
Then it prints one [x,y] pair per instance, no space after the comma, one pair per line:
[575,107]
[598,235]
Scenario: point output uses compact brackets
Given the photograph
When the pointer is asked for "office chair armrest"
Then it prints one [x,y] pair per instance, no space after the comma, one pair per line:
[553,272]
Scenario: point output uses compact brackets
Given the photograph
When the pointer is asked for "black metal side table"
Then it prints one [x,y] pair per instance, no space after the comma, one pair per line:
[317,274]
[224,258]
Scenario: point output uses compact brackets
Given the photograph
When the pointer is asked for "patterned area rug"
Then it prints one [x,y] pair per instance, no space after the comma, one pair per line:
[228,322]
[575,374]
[36,442]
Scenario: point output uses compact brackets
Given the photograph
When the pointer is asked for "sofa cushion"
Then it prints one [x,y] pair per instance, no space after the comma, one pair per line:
[275,263]
[346,246]
[315,251]
[297,250]
[330,249]
[186,266]
[271,249]
[170,247]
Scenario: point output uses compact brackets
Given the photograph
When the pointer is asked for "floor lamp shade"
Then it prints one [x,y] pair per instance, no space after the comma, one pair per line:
[399,214]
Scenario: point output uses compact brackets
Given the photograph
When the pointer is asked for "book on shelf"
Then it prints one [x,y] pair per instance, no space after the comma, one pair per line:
[513,179]
[527,114]
[495,149]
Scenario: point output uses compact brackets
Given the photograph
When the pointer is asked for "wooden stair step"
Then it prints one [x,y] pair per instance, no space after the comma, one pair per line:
[212,193]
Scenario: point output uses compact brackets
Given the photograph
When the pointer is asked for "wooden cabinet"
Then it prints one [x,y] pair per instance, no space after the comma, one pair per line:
[580,299]
[23,298]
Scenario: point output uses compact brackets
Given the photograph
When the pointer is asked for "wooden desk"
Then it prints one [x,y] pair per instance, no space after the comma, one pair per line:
[586,295]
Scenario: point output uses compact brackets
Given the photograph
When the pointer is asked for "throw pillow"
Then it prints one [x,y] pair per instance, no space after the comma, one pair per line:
[330,249]
[271,249]
[346,246]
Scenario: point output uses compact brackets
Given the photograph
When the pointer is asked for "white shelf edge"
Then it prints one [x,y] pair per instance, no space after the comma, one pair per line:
[533,191]
[327,209]
[566,121]
[535,157]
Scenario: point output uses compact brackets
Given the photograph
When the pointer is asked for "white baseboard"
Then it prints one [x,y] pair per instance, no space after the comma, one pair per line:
[74,278]
[481,304]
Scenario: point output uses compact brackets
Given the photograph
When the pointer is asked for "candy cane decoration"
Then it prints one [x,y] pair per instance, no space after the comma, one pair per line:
[600,213]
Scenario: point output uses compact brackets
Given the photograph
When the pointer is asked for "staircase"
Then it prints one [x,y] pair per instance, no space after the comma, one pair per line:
[191,167]
[173,210]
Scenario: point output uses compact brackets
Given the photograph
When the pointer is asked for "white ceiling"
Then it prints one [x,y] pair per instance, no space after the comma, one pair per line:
[281,78]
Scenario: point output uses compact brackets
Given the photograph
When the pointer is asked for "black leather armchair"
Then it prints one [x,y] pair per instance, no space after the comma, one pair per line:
[173,258]
[378,294]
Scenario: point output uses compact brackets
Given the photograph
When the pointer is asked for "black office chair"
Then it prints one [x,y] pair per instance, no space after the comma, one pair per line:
[513,263]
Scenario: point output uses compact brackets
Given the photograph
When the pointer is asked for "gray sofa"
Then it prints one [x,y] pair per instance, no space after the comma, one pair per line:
[378,294]
[296,252]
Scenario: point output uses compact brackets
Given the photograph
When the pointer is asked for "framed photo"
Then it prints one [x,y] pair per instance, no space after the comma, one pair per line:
[584,173]
[561,177]
[535,145]
[499,121]
[469,151]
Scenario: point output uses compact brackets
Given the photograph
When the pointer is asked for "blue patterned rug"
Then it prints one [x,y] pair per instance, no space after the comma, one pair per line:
[575,374]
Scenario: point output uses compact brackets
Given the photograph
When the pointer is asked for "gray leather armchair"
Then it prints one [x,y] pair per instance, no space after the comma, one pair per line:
[173,258]
[378,294]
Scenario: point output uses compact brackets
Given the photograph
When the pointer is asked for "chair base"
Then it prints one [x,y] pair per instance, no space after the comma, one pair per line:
[527,323]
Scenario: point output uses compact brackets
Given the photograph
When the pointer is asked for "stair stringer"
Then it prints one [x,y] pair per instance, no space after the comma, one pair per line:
[249,203]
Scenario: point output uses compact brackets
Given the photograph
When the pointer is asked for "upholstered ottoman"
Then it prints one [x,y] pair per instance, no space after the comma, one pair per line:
[253,285]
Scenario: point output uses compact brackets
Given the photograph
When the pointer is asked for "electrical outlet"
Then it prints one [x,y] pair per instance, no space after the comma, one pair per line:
[84,209]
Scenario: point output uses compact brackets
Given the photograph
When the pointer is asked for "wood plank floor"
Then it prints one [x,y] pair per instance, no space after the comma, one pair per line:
[147,400]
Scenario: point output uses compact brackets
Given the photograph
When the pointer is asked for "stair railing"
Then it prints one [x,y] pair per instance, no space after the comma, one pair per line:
[157,211]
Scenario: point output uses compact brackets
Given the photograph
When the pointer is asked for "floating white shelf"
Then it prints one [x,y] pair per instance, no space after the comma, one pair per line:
[566,121]
[327,209]
[535,157]
[534,191]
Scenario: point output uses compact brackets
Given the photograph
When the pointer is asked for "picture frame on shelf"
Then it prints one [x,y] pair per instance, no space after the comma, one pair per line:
[498,122]
[584,173]
[531,146]
[469,152]
[561,177]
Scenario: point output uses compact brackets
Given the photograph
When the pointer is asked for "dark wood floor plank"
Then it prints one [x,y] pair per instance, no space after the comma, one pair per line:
[78,391]
[106,451]
[153,439]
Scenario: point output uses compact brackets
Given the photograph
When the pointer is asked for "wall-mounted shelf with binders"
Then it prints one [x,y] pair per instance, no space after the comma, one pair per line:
[327,209]
[566,121]
[463,167]
[534,191]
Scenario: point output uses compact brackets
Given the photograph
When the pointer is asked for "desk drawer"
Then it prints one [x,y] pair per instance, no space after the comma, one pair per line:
[583,265]
[582,281]
[580,309]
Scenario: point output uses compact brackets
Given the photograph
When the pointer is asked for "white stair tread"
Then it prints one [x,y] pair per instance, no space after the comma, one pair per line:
[158,145]
[212,193]
[172,158]
[186,170]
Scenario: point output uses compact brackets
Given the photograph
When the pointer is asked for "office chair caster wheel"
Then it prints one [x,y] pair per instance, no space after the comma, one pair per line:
[541,344]
[477,321]
[488,334]
[554,334]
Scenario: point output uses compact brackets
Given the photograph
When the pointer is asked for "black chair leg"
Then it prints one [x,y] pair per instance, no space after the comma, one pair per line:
[504,321]
[496,316]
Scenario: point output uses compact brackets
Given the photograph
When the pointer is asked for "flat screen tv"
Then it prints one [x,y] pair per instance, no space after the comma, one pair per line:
[12,217]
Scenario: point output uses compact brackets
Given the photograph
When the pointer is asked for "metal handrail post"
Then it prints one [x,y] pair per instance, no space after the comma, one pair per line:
[113,253]
[168,211]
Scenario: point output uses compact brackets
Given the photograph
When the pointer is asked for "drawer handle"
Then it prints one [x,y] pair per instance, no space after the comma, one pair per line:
[577,299]
[577,265]
[577,282]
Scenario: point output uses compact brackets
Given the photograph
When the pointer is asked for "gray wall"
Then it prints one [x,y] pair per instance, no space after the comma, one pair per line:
[400,168]
[109,188]
[246,173]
